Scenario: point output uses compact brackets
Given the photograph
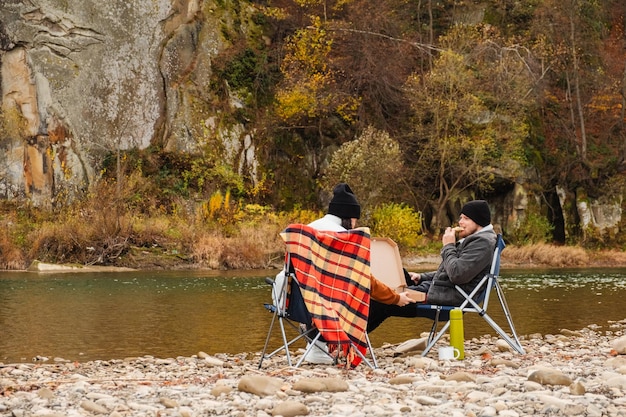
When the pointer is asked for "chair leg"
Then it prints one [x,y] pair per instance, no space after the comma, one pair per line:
[436,338]
[371,349]
[286,343]
[433,329]
[513,342]
[364,359]
[515,345]
[430,342]
[267,339]
[309,348]
[284,346]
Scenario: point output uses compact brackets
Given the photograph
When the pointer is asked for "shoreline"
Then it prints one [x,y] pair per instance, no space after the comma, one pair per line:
[580,372]
[416,263]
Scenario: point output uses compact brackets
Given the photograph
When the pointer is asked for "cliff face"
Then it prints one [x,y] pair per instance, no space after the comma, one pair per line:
[81,78]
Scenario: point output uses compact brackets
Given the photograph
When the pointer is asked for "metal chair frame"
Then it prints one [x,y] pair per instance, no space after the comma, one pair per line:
[477,302]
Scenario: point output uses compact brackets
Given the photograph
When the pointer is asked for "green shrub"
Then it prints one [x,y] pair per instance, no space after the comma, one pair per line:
[398,222]
[533,228]
[371,164]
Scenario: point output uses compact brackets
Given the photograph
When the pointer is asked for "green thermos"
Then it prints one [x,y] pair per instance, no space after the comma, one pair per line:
[457,334]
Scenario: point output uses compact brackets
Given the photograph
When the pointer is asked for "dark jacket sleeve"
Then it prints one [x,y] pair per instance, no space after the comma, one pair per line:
[427,276]
[463,264]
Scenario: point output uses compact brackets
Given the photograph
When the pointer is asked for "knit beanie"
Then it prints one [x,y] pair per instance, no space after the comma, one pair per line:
[344,204]
[478,211]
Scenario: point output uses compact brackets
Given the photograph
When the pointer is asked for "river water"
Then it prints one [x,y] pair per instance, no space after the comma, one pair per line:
[89,316]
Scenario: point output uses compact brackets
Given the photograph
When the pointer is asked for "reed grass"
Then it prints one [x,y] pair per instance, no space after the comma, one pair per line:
[11,258]
[561,256]
[106,230]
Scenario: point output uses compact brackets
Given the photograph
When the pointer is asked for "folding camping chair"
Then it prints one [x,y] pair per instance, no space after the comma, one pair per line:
[289,309]
[476,301]
[292,313]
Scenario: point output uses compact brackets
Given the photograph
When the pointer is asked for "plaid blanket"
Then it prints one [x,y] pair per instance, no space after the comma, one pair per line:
[333,272]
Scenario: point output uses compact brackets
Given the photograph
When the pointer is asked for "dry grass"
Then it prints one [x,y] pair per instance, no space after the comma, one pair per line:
[253,246]
[159,231]
[546,255]
[77,240]
[609,258]
[103,231]
[208,251]
[10,256]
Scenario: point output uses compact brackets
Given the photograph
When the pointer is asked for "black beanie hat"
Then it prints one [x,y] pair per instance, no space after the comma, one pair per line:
[344,203]
[478,211]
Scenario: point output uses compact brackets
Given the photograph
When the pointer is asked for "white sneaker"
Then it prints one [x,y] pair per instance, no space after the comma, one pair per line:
[319,354]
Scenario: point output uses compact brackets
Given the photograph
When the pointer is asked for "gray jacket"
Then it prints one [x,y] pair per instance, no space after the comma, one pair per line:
[463,264]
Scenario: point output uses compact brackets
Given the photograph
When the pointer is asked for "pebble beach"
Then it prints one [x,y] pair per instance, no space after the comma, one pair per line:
[573,373]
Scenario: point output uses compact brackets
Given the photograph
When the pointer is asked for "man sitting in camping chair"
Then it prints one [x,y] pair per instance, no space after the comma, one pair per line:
[464,263]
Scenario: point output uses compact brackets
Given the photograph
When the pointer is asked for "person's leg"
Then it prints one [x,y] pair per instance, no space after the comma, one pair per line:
[407,278]
[379,312]
[319,353]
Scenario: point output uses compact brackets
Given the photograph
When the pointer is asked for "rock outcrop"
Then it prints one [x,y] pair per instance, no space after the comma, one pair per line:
[81,79]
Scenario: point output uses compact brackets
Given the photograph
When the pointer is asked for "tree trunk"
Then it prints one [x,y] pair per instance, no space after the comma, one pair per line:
[622,116]
[431,35]
[579,105]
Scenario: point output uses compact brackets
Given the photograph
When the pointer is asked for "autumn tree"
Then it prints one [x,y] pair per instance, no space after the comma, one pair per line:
[373,166]
[307,91]
[376,46]
[469,118]
[567,35]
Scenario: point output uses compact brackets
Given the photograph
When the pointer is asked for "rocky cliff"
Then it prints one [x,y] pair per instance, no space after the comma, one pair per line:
[83,78]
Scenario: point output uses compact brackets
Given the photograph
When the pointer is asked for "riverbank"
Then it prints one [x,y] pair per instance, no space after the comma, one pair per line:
[532,256]
[245,238]
[572,373]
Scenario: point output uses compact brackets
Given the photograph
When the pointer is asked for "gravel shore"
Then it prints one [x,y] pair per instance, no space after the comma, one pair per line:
[573,373]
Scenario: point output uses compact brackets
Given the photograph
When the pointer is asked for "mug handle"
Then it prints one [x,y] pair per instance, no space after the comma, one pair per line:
[457,353]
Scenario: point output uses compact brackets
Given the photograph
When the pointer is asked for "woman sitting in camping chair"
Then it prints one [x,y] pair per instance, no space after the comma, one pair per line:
[343,213]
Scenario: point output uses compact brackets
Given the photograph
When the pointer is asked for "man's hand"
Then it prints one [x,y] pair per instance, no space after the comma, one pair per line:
[404,299]
[449,236]
[415,277]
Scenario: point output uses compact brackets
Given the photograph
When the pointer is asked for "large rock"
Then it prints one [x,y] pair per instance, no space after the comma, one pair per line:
[619,345]
[260,385]
[546,376]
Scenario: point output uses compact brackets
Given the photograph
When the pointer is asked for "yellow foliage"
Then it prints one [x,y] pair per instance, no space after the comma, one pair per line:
[274,12]
[606,103]
[308,84]
[312,3]
[307,50]
[398,222]
[213,206]
[348,109]
[226,204]
[295,103]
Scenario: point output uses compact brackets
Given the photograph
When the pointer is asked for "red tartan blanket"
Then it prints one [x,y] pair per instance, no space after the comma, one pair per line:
[333,271]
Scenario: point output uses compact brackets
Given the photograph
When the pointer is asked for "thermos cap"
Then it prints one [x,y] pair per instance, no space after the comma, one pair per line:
[456,313]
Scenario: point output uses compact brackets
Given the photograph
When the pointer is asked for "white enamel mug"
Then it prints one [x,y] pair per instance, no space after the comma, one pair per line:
[448,353]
